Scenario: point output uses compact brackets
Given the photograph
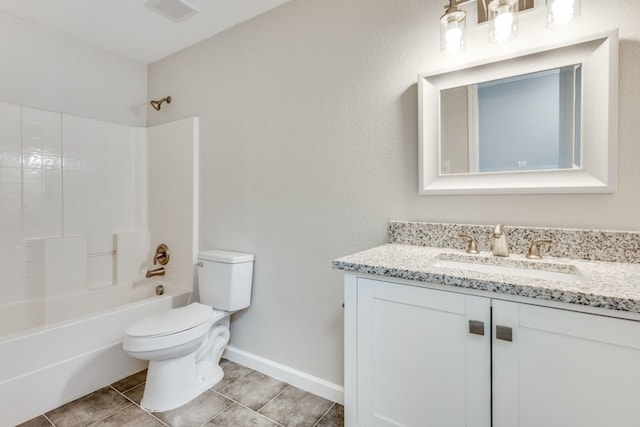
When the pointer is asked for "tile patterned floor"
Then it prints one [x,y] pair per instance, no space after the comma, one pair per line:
[243,398]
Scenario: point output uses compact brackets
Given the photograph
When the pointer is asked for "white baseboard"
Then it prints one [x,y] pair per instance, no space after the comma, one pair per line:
[300,379]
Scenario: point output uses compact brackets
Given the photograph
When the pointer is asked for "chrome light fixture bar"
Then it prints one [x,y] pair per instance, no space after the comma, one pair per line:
[502,16]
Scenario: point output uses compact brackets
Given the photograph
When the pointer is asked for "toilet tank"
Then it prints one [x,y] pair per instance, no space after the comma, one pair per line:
[225,279]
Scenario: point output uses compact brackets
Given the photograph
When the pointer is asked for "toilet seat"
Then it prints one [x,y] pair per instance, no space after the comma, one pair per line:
[172,328]
[171,321]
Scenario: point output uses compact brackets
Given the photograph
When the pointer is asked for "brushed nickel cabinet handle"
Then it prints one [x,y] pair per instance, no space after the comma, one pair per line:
[504,333]
[476,327]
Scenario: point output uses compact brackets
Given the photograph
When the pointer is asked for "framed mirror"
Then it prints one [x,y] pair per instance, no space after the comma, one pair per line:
[541,122]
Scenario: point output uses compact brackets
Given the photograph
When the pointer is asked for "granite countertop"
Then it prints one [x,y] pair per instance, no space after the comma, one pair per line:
[610,285]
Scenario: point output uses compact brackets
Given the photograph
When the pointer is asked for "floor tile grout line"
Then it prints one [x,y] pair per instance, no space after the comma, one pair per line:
[124,395]
[132,387]
[129,389]
[139,406]
[113,413]
[244,406]
[247,408]
[225,409]
[47,418]
[325,413]
[154,417]
[234,381]
[275,397]
[288,387]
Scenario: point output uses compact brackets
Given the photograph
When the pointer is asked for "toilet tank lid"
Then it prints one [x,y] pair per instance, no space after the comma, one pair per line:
[227,257]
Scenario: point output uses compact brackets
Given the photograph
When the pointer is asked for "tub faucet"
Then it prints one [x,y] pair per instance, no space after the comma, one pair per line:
[155,272]
[500,246]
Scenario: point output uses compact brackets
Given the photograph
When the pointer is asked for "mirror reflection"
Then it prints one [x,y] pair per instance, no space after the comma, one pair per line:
[521,123]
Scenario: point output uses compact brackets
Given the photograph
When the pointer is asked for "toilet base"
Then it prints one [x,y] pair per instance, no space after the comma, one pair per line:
[175,381]
[170,385]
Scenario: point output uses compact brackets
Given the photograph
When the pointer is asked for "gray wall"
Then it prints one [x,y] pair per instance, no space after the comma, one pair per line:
[309,140]
[50,71]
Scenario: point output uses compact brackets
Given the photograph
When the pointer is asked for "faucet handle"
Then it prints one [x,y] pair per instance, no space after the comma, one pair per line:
[162,255]
[472,248]
[534,249]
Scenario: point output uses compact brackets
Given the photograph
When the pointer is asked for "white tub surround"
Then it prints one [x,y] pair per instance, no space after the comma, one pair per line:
[75,236]
[173,162]
[68,185]
[130,249]
[58,265]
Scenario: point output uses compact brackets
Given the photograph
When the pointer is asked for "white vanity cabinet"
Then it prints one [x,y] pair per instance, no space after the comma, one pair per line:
[416,357]
[564,368]
[413,363]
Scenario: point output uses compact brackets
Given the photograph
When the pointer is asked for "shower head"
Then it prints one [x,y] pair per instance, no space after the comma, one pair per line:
[158,104]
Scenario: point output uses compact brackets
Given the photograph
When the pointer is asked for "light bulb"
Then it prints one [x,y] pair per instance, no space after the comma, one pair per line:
[562,11]
[452,40]
[503,24]
[452,27]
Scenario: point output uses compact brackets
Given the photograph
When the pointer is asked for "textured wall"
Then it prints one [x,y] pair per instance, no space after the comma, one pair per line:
[309,140]
[46,70]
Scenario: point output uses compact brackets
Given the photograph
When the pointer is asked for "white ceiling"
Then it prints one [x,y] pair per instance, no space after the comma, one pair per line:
[129,28]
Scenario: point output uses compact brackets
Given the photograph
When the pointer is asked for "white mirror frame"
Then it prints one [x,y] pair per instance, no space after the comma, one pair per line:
[598,55]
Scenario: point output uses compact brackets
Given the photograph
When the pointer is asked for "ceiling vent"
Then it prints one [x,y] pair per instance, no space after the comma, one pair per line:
[176,10]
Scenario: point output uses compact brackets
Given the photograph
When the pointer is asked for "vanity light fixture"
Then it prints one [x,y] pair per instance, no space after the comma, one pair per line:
[562,12]
[503,20]
[452,28]
[502,16]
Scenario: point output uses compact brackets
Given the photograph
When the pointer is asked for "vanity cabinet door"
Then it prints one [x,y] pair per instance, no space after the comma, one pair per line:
[418,364]
[564,368]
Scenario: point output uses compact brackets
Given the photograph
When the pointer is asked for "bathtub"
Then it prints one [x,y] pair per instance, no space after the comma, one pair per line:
[55,350]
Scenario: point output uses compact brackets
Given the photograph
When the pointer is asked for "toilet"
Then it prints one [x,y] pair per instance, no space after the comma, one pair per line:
[184,345]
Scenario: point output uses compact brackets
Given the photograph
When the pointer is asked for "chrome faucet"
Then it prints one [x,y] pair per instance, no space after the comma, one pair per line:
[155,272]
[500,247]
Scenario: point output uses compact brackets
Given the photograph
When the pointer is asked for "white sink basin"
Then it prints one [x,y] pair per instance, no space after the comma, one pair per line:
[571,274]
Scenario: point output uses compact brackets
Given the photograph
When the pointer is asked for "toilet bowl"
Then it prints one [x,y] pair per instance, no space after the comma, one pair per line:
[184,345]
